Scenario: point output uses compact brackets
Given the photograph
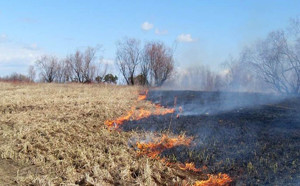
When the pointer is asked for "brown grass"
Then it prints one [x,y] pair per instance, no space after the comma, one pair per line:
[55,134]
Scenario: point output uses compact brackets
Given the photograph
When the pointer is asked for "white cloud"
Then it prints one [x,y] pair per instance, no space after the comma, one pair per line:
[147,26]
[33,46]
[16,58]
[185,38]
[161,32]
[108,61]
[3,37]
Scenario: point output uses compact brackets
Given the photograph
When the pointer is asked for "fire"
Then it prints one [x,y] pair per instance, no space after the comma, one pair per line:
[191,167]
[159,144]
[143,95]
[153,149]
[159,110]
[120,120]
[219,179]
[137,114]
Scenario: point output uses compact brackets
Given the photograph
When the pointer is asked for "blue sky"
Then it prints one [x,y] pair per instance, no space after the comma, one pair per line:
[206,32]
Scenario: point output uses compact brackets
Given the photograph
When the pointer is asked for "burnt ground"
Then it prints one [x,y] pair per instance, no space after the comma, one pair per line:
[255,138]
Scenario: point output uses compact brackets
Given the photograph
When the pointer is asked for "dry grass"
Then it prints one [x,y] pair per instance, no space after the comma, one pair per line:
[55,134]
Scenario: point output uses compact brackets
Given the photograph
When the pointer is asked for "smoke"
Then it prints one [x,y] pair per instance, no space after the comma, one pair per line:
[211,102]
[253,137]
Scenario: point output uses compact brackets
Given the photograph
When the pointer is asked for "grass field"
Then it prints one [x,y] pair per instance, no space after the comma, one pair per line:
[54,134]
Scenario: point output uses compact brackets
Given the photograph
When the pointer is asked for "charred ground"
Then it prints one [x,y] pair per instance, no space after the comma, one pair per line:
[252,137]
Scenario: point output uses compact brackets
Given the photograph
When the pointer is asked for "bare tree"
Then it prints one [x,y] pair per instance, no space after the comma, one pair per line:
[31,73]
[277,62]
[63,73]
[82,65]
[127,58]
[147,60]
[101,71]
[48,68]
[75,62]
[89,69]
[159,58]
[239,76]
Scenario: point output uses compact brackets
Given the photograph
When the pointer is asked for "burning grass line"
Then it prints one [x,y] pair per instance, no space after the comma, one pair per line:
[159,144]
[219,179]
[153,149]
[137,114]
[191,167]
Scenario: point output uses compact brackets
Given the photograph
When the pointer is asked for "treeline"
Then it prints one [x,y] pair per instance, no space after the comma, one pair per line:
[272,63]
[81,67]
[151,65]
[16,77]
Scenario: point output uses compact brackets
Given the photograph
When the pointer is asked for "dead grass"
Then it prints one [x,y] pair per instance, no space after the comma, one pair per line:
[59,131]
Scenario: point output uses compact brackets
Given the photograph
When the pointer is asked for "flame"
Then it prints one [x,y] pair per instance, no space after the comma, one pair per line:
[219,179]
[153,149]
[137,114]
[191,167]
[159,144]
[143,95]
[120,120]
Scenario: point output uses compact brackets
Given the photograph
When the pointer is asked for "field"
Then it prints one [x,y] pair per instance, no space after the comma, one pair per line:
[91,134]
[252,137]
[54,134]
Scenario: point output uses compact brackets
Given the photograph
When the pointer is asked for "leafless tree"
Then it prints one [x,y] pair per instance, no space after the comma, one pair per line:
[277,61]
[31,73]
[239,76]
[75,62]
[82,65]
[127,58]
[147,59]
[101,71]
[63,71]
[48,68]
[159,59]
[89,69]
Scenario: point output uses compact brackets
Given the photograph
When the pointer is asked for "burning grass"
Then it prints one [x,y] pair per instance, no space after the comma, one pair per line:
[54,134]
[159,144]
[255,145]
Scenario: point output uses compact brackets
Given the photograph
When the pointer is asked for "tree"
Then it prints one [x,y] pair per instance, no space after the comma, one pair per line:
[31,73]
[140,79]
[109,78]
[277,62]
[127,58]
[48,68]
[239,76]
[159,59]
[98,79]
[82,65]
[89,68]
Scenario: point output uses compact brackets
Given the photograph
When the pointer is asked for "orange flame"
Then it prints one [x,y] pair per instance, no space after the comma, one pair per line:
[153,149]
[135,114]
[191,167]
[219,179]
[143,95]
[115,123]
